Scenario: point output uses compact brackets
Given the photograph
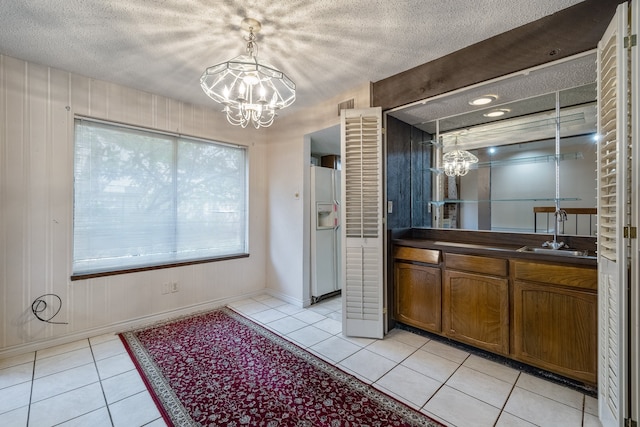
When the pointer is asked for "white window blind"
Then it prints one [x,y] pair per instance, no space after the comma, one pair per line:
[143,198]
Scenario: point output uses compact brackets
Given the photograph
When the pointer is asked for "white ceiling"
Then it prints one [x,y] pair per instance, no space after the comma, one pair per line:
[325,46]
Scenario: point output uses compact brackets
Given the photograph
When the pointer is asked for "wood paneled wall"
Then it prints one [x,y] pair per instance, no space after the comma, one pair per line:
[37,109]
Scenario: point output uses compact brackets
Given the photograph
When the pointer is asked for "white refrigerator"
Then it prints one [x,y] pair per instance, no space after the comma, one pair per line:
[325,232]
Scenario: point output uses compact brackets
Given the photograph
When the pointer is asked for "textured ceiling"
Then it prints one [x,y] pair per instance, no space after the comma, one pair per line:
[325,46]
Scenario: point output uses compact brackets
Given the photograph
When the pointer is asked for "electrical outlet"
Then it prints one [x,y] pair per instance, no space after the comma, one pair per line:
[174,287]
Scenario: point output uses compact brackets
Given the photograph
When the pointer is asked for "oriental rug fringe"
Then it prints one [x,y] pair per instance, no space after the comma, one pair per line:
[222,369]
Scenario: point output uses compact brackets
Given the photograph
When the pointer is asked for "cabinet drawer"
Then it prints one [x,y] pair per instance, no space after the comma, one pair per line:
[428,256]
[556,274]
[476,264]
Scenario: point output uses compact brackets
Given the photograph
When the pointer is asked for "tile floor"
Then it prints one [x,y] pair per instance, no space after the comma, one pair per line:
[94,383]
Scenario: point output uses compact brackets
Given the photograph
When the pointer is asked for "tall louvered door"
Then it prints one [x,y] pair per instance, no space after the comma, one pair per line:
[362,223]
[634,306]
[614,197]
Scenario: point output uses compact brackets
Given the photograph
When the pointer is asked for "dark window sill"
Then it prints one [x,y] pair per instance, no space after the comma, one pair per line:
[92,275]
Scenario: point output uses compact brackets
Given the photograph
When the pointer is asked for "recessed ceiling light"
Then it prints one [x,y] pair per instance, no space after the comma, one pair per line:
[483,100]
[497,113]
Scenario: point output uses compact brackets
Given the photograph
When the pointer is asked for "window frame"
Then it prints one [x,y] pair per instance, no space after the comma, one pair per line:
[110,271]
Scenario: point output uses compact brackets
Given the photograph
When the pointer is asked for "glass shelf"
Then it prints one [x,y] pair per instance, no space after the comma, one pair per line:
[523,160]
[429,142]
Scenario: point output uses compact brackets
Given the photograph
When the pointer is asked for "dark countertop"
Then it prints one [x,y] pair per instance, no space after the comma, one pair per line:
[495,250]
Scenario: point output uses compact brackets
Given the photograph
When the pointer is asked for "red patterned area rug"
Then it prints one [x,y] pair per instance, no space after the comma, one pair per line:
[221,369]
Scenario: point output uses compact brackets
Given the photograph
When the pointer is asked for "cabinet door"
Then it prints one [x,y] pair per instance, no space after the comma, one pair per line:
[475,310]
[418,296]
[555,328]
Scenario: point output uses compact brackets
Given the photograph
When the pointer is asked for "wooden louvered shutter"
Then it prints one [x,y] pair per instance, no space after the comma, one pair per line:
[362,223]
[613,216]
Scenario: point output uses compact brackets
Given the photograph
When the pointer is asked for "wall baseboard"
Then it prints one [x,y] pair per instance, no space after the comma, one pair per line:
[136,323]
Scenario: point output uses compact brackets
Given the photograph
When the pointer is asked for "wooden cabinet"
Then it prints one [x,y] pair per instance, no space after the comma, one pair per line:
[418,288]
[475,303]
[555,318]
[541,313]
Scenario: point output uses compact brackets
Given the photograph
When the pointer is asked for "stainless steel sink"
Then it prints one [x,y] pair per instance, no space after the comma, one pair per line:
[555,252]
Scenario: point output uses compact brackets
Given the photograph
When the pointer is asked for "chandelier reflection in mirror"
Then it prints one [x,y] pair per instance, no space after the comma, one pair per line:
[457,162]
[251,91]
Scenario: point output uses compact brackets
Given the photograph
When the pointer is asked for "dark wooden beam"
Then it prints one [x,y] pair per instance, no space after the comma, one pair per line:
[565,33]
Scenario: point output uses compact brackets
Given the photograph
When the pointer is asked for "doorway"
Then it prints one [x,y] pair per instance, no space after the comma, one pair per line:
[323,231]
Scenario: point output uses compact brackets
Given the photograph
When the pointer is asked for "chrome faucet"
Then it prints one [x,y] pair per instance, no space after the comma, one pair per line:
[560,216]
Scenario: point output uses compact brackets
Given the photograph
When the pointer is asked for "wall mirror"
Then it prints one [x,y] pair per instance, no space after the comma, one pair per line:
[534,119]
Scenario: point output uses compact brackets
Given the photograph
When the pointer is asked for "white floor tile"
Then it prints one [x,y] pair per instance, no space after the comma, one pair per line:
[309,317]
[272,302]
[496,370]
[267,316]
[362,342]
[591,421]
[103,338]
[241,302]
[309,336]
[329,325]
[481,386]
[62,362]
[114,365]
[508,420]
[335,315]
[320,309]
[409,385]
[62,382]
[17,417]
[136,410]
[66,406]
[14,397]
[335,349]
[251,308]
[66,390]
[542,411]
[60,349]
[553,391]
[156,423]
[17,360]
[461,409]
[122,386]
[16,375]
[391,349]
[107,349]
[591,405]
[431,365]
[446,351]
[286,325]
[289,309]
[407,337]
[98,418]
[368,365]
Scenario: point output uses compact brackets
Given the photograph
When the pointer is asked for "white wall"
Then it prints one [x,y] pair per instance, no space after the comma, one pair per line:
[37,107]
[288,158]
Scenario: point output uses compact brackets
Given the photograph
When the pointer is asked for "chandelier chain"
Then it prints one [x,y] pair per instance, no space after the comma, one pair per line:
[252,45]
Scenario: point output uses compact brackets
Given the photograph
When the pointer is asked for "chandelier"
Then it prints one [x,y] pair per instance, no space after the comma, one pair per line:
[251,91]
[457,162]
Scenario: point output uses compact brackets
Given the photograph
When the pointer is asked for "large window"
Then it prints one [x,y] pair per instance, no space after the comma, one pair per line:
[144,198]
